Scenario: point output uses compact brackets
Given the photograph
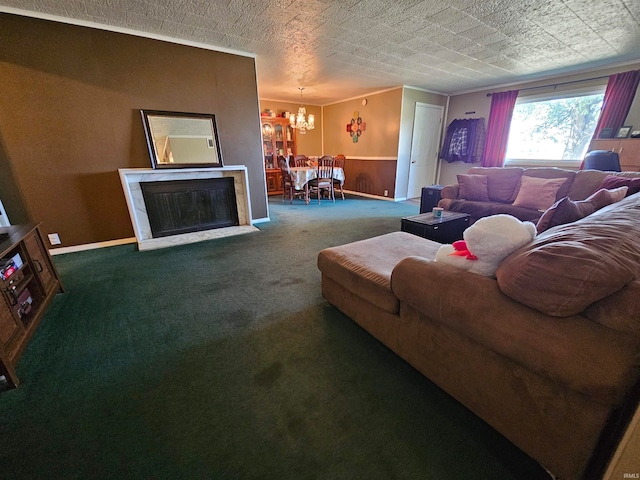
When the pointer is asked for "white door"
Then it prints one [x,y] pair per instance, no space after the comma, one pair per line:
[424,148]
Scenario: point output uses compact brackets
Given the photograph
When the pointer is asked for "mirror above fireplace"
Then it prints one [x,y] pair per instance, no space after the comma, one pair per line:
[181,140]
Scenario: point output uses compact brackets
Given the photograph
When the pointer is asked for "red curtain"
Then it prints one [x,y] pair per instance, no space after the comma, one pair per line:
[618,97]
[495,148]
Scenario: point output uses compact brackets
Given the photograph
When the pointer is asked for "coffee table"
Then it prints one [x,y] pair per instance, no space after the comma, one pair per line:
[447,229]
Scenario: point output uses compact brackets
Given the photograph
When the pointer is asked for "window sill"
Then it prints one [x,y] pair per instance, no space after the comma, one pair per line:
[566,164]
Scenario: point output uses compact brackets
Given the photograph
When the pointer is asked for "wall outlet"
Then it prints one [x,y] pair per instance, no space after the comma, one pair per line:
[386,193]
[54,239]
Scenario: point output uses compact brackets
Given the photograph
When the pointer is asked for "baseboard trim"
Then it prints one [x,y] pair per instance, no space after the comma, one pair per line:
[377,197]
[91,246]
[125,241]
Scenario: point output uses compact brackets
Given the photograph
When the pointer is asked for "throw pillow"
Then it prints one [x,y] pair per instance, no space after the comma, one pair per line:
[604,197]
[538,193]
[473,187]
[566,210]
[614,181]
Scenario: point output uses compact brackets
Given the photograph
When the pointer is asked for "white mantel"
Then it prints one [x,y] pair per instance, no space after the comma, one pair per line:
[132,177]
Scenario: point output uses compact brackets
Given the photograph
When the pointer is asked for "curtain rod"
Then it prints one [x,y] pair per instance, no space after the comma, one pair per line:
[554,85]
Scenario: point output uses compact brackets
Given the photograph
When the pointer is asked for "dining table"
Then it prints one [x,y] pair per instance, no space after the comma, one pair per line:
[301,176]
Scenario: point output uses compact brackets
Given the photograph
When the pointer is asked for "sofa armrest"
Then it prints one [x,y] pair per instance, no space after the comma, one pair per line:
[450,192]
[563,349]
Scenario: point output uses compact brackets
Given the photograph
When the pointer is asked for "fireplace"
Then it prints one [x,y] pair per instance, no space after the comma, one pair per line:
[185,206]
[207,203]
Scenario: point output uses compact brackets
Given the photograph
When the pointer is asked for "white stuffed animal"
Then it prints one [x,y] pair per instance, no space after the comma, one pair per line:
[486,243]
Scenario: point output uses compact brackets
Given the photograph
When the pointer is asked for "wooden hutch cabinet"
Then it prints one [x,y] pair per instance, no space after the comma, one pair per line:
[628,149]
[278,139]
[29,282]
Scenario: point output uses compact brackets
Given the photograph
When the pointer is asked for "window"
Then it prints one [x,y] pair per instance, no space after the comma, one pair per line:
[553,130]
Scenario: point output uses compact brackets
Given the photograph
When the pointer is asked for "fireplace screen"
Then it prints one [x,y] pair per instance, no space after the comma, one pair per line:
[186,206]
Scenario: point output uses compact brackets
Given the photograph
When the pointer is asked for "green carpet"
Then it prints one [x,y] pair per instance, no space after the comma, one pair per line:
[221,360]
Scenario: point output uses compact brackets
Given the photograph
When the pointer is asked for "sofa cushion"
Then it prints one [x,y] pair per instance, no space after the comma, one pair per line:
[620,311]
[473,187]
[614,181]
[521,213]
[566,210]
[538,193]
[477,210]
[569,267]
[364,267]
[502,182]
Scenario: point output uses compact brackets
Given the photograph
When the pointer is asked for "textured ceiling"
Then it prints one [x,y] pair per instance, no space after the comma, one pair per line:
[340,49]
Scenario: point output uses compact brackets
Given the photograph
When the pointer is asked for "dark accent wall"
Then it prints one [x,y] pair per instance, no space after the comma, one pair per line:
[69,119]
[370,176]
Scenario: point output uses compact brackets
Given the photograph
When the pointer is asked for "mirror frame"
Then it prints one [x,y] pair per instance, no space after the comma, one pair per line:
[153,154]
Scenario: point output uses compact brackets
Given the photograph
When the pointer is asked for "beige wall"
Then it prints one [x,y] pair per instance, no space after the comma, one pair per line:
[310,143]
[386,140]
[372,162]
[479,103]
[69,119]
[382,116]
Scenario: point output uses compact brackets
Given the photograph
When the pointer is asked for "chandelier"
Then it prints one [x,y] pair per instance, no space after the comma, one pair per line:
[300,121]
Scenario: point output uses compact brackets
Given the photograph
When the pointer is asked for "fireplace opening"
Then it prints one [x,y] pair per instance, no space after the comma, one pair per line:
[186,206]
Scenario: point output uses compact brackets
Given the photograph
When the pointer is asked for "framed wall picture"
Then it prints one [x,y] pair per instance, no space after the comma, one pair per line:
[606,133]
[623,132]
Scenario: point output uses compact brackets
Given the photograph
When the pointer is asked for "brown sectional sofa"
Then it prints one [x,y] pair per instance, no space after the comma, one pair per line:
[548,352]
[503,185]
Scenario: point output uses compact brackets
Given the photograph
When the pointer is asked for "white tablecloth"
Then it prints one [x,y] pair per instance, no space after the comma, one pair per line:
[301,175]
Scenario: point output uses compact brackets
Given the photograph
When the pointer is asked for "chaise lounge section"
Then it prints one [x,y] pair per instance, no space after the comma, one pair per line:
[548,353]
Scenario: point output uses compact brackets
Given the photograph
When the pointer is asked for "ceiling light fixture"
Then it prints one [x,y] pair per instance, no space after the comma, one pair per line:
[299,121]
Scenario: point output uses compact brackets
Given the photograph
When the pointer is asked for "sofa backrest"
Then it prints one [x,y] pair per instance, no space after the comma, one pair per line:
[587,181]
[502,182]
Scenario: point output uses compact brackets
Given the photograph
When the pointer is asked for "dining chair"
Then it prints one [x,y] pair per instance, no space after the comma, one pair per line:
[300,161]
[324,180]
[287,182]
[338,162]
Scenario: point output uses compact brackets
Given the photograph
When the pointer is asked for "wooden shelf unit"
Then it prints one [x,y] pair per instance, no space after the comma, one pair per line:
[28,285]
[278,139]
[628,149]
